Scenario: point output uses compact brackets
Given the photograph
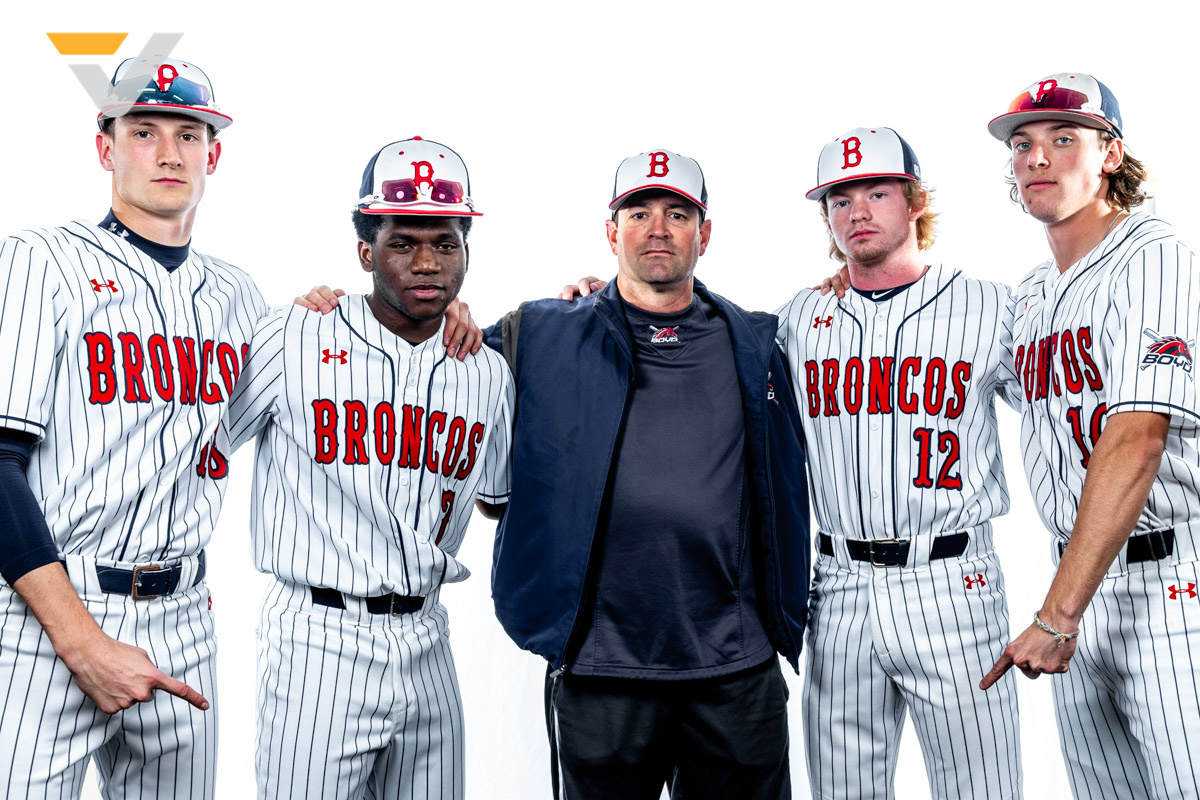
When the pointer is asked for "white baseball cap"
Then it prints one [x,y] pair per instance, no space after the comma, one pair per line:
[660,169]
[864,153]
[1071,96]
[166,84]
[419,177]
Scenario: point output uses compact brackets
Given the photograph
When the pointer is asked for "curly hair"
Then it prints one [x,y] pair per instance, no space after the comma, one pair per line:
[918,195]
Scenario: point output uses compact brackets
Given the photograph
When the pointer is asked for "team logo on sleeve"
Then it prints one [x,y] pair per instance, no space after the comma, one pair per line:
[1172,351]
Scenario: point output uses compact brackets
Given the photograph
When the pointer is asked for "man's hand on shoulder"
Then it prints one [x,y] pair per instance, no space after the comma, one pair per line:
[461,335]
[583,288]
[320,298]
[838,283]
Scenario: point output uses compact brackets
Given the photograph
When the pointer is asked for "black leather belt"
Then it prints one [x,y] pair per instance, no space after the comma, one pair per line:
[142,583]
[894,552]
[1152,546]
[385,604]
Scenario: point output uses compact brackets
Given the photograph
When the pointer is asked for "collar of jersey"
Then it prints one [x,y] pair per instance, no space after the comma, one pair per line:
[935,273]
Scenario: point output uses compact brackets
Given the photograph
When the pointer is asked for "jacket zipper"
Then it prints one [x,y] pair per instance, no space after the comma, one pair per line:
[775,541]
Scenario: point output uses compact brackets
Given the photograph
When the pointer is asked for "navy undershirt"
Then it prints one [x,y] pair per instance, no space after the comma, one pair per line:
[167,255]
[26,543]
[672,582]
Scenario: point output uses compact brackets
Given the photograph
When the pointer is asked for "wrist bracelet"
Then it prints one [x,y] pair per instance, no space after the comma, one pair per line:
[1059,637]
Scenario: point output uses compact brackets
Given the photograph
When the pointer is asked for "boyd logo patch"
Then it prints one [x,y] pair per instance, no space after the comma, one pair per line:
[663,335]
[1172,351]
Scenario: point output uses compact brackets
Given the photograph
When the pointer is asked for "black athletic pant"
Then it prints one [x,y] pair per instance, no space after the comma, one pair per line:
[624,738]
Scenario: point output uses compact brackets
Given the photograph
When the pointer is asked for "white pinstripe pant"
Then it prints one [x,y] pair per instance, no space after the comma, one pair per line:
[353,704]
[49,729]
[1129,707]
[920,637]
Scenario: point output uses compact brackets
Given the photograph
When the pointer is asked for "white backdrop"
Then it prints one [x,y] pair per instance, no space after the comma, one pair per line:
[542,101]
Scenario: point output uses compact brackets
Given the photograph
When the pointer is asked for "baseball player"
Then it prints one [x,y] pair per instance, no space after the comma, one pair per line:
[1103,338]
[374,448]
[896,383]
[123,345]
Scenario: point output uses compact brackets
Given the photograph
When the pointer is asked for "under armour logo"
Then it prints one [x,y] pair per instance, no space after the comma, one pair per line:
[658,161]
[827,322]
[118,230]
[339,355]
[98,285]
[975,582]
[1190,591]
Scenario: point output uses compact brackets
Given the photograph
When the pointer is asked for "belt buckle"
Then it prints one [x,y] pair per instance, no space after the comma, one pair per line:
[392,610]
[871,550]
[137,579]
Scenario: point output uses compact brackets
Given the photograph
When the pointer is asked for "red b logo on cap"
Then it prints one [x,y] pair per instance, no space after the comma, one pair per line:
[658,161]
[1044,88]
[850,148]
[423,173]
[166,74]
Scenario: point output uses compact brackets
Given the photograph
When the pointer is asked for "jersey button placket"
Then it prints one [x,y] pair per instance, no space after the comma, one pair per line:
[410,395]
[876,438]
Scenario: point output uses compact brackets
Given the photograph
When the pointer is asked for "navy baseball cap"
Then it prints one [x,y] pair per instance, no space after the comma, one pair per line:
[166,84]
[416,177]
[864,153]
[1071,96]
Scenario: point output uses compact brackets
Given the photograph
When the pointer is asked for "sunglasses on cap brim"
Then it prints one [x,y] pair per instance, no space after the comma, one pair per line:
[1058,99]
[408,190]
[181,92]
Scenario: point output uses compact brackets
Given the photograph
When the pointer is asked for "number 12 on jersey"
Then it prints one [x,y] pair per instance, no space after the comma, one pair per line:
[947,446]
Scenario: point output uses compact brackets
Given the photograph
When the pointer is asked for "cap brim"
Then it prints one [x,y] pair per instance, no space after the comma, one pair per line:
[616,201]
[215,118]
[1002,127]
[818,192]
[408,211]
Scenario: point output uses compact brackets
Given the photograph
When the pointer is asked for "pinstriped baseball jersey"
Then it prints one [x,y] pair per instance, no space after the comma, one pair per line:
[122,369]
[1116,332]
[377,451]
[896,399]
